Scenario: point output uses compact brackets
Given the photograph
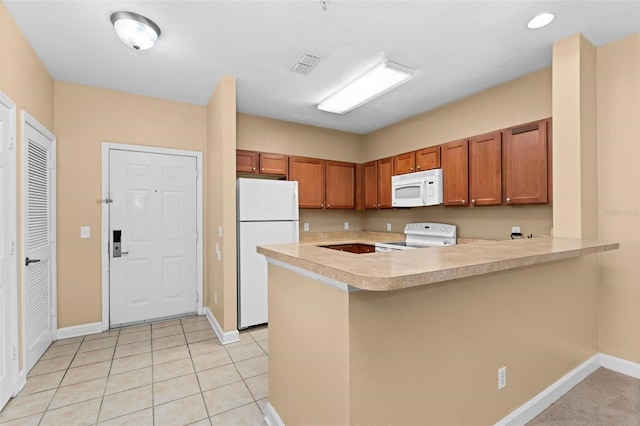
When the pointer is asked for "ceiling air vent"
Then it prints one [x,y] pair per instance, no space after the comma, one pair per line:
[305,63]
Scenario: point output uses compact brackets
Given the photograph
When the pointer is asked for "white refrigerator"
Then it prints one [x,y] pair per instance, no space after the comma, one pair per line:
[267,214]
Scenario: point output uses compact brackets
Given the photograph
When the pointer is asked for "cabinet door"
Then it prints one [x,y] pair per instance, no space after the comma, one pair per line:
[370,184]
[428,158]
[385,171]
[485,170]
[246,161]
[525,163]
[309,172]
[404,163]
[455,173]
[273,164]
[340,185]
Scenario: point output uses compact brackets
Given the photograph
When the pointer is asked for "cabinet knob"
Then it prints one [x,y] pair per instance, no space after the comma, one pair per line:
[262,169]
[508,200]
[411,169]
[328,205]
[473,201]
[463,202]
[321,205]
[378,205]
[417,167]
[253,169]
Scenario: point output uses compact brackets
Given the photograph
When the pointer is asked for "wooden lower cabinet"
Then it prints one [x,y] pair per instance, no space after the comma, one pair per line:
[340,181]
[455,173]
[526,164]
[309,172]
[485,169]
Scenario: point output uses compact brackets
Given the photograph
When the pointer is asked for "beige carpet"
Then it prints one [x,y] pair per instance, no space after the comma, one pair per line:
[604,398]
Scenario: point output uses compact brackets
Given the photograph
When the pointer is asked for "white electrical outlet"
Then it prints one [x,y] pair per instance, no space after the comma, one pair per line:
[515,229]
[346,226]
[215,297]
[502,377]
[388,227]
[220,231]
[306,226]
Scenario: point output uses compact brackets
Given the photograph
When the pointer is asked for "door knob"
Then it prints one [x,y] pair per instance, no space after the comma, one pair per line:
[27,261]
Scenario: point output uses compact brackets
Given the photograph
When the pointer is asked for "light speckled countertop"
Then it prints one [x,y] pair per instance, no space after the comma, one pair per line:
[396,270]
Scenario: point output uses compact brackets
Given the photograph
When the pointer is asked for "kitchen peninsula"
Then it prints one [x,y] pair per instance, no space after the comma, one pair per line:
[417,336]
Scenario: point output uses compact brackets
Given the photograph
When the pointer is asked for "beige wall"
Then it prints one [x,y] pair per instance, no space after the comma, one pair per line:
[25,80]
[519,101]
[575,139]
[221,173]
[618,85]
[84,118]
[269,135]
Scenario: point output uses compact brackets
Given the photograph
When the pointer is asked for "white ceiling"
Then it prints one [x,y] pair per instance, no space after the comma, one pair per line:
[456,47]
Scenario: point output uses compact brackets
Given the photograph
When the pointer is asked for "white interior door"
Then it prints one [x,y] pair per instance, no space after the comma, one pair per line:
[39,239]
[8,258]
[153,212]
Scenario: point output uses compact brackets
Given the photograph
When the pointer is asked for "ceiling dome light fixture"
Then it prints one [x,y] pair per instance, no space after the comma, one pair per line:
[540,20]
[135,30]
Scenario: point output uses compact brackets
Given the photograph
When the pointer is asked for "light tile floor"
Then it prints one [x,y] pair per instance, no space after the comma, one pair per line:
[166,373]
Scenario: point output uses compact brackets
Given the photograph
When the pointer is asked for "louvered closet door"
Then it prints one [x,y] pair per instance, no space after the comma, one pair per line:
[39,243]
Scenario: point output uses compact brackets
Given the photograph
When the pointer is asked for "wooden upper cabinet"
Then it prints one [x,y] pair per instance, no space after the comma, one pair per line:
[526,164]
[273,164]
[485,169]
[309,172]
[428,158]
[404,163]
[340,185]
[246,161]
[455,173]
[385,171]
[370,185]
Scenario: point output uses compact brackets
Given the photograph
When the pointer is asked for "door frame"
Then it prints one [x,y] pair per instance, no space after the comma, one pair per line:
[28,120]
[12,211]
[106,147]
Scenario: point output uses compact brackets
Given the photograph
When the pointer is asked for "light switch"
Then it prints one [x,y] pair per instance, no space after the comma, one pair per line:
[85,232]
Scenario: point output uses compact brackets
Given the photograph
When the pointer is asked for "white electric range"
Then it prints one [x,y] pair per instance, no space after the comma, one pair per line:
[421,235]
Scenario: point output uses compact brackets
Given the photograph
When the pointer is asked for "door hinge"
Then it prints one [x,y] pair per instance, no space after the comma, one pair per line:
[12,142]
[197,297]
[53,311]
[53,164]
[12,248]
[197,173]
[14,352]
[197,235]
[53,237]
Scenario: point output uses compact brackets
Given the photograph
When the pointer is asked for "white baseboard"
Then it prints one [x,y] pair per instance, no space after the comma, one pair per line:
[544,399]
[272,418]
[619,365]
[79,330]
[224,337]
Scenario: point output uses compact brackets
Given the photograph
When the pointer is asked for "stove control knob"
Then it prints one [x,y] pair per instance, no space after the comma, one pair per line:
[443,229]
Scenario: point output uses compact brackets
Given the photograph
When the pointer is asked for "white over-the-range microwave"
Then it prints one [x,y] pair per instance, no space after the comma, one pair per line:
[417,189]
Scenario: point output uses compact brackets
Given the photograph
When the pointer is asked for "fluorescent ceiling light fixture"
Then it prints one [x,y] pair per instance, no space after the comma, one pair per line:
[540,20]
[135,30]
[374,83]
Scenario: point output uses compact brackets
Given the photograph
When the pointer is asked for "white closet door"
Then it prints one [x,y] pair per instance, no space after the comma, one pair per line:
[8,262]
[39,239]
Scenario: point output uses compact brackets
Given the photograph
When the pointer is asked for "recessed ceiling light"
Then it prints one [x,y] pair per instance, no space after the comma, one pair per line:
[540,20]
